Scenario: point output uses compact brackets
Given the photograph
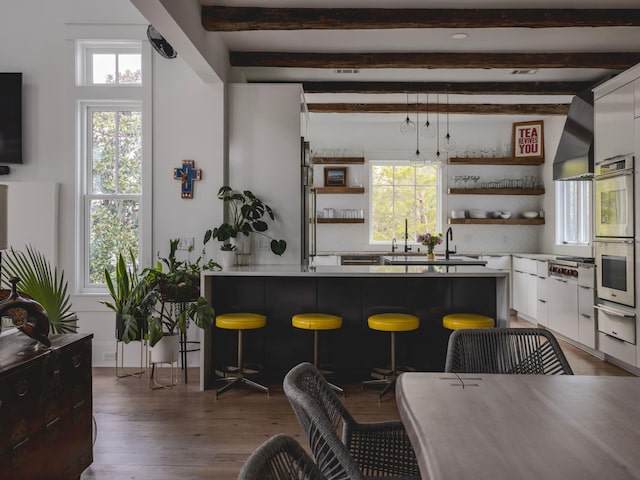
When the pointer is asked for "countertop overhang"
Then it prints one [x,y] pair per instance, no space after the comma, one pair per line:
[362,271]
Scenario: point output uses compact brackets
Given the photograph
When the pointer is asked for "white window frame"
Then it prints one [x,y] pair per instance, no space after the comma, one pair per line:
[103,96]
[85,49]
[584,212]
[403,163]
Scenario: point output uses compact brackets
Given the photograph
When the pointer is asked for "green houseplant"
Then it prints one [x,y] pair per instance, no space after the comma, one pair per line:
[178,286]
[132,299]
[246,214]
[45,285]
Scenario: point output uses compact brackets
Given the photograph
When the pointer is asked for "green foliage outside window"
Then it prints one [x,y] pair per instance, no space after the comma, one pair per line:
[402,192]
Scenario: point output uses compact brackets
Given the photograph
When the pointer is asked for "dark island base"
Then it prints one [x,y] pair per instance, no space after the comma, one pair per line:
[354,349]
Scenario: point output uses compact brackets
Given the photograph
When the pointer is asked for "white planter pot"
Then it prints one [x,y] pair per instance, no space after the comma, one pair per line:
[166,350]
[227,258]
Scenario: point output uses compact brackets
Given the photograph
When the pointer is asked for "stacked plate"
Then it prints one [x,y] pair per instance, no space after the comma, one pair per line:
[457,214]
[477,213]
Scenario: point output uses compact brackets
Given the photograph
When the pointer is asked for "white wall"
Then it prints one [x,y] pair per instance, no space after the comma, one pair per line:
[188,124]
[379,137]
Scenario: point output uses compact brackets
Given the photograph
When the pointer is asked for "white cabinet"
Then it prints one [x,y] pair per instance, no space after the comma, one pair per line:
[542,279]
[636,85]
[587,328]
[613,122]
[525,298]
[563,307]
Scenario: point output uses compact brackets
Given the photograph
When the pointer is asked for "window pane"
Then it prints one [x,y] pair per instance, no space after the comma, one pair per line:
[129,68]
[103,151]
[113,228]
[403,193]
[104,68]
[130,152]
[573,212]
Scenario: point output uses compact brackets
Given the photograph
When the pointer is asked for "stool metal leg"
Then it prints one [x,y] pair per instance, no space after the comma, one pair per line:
[238,378]
[385,377]
[315,363]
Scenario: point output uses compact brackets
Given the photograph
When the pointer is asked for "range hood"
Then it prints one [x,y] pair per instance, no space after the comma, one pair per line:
[574,158]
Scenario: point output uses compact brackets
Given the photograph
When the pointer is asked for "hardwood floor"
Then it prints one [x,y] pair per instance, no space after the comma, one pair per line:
[187,434]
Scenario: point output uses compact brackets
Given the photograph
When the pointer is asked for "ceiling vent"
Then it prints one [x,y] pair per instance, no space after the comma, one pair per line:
[346,71]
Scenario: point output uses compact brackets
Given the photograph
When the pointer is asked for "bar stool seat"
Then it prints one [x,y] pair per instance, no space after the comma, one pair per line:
[317,322]
[459,321]
[390,322]
[240,321]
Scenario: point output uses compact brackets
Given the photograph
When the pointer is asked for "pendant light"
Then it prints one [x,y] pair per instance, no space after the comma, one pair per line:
[407,127]
[448,143]
[417,159]
[428,130]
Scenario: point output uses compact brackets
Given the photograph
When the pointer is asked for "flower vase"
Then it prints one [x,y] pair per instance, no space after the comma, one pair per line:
[431,255]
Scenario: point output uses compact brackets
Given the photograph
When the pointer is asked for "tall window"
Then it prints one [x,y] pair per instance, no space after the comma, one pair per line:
[402,192]
[573,212]
[111,157]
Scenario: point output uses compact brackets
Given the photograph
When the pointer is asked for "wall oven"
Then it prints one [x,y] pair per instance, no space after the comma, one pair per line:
[614,197]
[615,270]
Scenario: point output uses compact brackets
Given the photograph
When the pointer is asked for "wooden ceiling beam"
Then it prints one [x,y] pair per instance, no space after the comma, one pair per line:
[450,60]
[466,88]
[453,108]
[220,18]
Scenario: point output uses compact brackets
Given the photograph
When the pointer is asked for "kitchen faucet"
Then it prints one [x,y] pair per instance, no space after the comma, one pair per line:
[448,236]
[406,236]
[394,245]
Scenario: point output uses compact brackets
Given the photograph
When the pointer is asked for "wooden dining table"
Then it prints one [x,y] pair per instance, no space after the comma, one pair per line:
[488,426]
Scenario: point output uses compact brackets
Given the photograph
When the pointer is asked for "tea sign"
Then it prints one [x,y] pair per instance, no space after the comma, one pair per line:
[528,140]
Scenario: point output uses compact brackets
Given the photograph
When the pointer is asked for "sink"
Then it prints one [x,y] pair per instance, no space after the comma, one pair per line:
[422,260]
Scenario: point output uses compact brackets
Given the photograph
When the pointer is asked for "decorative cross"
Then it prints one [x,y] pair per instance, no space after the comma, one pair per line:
[187,174]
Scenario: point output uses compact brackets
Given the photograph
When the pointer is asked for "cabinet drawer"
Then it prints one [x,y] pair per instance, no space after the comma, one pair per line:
[615,348]
[585,301]
[526,265]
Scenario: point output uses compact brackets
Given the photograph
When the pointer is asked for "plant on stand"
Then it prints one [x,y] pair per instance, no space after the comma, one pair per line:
[246,215]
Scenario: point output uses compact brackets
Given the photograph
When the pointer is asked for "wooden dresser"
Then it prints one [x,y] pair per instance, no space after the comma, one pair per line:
[45,407]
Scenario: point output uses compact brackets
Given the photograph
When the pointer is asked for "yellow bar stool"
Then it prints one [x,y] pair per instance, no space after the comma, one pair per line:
[459,321]
[390,322]
[317,322]
[236,375]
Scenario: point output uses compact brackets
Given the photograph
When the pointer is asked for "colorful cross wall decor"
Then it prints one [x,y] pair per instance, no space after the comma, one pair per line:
[187,174]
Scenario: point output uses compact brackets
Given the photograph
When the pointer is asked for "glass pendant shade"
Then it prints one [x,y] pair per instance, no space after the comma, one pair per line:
[407,127]
[448,143]
[417,159]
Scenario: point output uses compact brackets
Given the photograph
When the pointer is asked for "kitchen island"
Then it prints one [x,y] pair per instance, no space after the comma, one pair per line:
[354,293]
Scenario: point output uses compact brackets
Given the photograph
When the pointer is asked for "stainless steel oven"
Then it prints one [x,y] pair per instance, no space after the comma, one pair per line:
[615,270]
[614,197]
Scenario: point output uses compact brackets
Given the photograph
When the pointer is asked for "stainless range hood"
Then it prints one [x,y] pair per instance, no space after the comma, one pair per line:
[574,158]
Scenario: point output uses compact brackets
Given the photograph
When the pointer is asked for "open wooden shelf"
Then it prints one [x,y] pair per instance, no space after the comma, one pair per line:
[494,161]
[340,190]
[495,221]
[340,220]
[337,160]
[496,191]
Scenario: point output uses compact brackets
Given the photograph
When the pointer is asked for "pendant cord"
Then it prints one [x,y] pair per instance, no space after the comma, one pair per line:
[417,123]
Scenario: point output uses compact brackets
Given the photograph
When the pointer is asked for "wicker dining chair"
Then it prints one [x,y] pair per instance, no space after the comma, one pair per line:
[280,458]
[506,350]
[380,449]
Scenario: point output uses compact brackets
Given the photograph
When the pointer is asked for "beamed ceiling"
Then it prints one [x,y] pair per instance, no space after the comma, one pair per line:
[351,58]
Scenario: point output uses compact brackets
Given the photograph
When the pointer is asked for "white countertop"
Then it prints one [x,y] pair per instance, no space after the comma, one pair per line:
[361,271]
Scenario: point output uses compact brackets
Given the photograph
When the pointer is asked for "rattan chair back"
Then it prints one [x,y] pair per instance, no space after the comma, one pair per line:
[506,350]
[280,458]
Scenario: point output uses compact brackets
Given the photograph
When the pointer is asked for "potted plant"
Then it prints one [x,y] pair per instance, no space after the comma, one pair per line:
[246,214]
[132,299]
[45,285]
[178,287]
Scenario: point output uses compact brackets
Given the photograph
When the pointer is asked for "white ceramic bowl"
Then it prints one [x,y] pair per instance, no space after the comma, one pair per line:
[530,214]
[505,215]
[477,213]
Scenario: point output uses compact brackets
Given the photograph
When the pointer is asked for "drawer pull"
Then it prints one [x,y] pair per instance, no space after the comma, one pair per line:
[76,360]
[52,422]
[19,444]
[22,387]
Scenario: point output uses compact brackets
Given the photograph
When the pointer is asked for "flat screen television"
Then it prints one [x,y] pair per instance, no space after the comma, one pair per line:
[10,118]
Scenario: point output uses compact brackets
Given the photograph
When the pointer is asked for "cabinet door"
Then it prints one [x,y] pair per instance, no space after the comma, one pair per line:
[519,287]
[613,123]
[532,295]
[587,321]
[563,307]
[542,311]
[636,85]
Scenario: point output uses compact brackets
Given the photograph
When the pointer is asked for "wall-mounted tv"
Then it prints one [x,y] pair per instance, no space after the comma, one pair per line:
[10,118]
